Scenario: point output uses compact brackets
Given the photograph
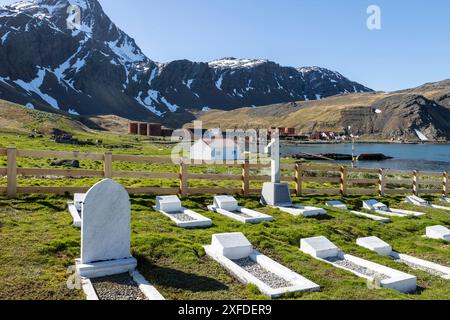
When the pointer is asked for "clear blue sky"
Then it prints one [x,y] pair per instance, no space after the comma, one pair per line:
[413,46]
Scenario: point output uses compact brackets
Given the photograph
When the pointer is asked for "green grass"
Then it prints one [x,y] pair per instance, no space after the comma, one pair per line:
[39,244]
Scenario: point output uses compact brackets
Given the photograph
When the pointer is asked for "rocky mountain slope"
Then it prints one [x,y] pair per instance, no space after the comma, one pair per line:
[94,68]
[405,115]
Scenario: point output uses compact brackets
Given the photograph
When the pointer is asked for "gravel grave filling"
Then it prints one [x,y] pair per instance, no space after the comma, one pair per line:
[269,278]
[181,216]
[355,267]
[117,287]
[239,213]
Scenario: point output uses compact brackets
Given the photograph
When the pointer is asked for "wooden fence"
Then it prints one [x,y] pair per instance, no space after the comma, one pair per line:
[338,180]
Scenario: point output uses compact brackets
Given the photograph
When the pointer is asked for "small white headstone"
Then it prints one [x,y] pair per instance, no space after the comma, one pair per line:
[319,247]
[233,246]
[375,205]
[439,233]
[227,203]
[375,244]
[105,228]
[168,204]
[336,204]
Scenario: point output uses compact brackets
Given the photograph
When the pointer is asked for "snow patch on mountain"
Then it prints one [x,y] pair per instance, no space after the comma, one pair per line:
[34,86]
[127,51]
[152,96]
[170,106]
[234,63]
[219,82]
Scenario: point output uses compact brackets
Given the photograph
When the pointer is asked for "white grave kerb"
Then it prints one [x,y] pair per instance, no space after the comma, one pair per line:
[105,231]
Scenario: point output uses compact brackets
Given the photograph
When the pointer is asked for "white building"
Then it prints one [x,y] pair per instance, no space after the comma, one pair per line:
[215,150]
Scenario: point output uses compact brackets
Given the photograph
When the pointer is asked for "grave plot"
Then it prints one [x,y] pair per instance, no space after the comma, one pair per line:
[75,208]
[445,199]
[228,207]
[342,206]
[299,210]
[379,246]
[171,207]
[423,203]
[438,233]
[381,208]
[106,267]
[323,249]
[234,252]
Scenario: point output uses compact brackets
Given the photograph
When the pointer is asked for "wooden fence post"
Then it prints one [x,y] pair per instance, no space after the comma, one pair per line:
[344,175]
[298,179]
[11,172]
[416,183]
[445,184]
[381,182]
[245,178]
[107,165]
[184,179]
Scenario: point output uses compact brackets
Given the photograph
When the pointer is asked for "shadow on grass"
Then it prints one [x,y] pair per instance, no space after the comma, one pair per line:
[176,279]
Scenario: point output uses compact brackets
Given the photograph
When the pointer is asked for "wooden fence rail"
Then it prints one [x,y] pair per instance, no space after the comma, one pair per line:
[327,179]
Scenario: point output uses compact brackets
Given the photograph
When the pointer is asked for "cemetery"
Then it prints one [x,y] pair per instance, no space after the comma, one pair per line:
[323,249]
[146,230]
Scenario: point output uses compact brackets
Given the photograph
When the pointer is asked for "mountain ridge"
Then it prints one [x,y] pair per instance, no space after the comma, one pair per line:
[97,68]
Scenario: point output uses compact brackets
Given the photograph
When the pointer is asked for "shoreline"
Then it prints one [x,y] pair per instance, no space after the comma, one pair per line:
[289,142]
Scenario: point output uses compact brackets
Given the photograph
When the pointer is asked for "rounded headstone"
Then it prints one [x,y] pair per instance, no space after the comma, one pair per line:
[105,229]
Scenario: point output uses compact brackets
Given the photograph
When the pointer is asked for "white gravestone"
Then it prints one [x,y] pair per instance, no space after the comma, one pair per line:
[336,204]
[105,231]
[319,247]
[234,246]
[438,233]
[375,244]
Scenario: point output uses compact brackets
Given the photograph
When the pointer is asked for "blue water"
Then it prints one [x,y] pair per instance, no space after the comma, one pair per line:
[425,157]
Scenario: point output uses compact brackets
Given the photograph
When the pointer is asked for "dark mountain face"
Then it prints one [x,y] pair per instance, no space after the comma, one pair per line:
[95,68]
[405,116]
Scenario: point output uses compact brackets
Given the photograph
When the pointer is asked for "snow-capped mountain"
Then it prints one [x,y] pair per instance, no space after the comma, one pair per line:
[52,61]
